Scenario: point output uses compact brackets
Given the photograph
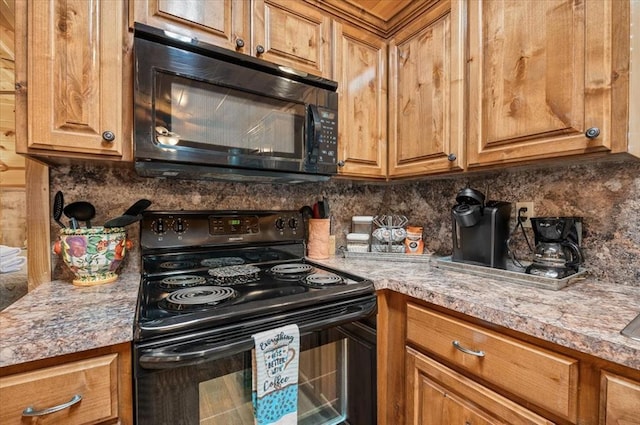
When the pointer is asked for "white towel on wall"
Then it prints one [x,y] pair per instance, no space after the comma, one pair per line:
[275,376]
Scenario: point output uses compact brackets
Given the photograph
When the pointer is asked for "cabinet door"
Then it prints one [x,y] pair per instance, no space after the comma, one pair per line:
[438,395]
[224,23]
[425,94]
[74,77]
[619,400]
[292,33]
[541,79]
[360,67]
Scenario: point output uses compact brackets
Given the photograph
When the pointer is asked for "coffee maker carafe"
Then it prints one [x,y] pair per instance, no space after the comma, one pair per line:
[557,251]
[480,230]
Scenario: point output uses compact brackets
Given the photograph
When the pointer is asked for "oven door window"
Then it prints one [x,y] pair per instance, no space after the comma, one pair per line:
[218,392]
[192,114]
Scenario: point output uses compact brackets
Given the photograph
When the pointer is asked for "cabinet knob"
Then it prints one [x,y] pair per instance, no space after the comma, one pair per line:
[239,43]
[259,49]
[452,157]
[340,163]
[592,132]
[108,136]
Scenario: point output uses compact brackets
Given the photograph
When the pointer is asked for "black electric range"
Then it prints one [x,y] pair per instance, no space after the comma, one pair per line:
[227,270]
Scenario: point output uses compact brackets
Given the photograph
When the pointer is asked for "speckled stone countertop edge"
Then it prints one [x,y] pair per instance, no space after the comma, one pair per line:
[58,318]
[573,317]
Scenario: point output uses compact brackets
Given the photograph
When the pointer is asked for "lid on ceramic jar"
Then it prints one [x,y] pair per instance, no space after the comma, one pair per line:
[358,237]
[360,219]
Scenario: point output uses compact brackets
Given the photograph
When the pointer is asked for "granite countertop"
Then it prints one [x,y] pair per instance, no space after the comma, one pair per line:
[58,318]
[586,316]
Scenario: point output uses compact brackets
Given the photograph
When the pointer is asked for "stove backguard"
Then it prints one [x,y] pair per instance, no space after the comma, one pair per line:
[176,230]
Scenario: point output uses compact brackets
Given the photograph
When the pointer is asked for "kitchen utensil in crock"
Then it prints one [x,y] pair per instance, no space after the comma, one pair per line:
[138,207]
[80,211]
[131,215]
[123,220]
[58,205]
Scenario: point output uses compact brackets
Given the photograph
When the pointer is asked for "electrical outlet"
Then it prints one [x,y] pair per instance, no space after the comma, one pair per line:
[527,214]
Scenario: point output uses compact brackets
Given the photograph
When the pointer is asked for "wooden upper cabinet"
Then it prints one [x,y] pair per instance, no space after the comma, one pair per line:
[426,89]
[543,79]
[294,34]
[74,78]
[224,23]
[360,67]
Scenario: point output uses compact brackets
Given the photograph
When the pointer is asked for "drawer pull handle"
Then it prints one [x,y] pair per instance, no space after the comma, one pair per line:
[467,350]
[30,411]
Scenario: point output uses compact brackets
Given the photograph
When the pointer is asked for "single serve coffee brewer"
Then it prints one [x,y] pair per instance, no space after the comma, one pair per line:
[480,229]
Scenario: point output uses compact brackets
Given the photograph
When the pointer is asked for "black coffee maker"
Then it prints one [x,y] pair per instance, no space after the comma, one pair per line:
[480,230]
[557,253]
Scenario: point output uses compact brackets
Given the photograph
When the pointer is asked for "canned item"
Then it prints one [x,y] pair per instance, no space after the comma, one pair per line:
[413,243]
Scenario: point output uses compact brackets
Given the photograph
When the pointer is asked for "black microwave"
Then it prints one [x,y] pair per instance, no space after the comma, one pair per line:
[203,112]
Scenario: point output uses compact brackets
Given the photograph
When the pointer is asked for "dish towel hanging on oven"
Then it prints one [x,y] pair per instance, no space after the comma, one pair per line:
[275,376]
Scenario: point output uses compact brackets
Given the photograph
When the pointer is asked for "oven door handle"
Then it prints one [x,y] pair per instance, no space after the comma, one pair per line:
[167,358]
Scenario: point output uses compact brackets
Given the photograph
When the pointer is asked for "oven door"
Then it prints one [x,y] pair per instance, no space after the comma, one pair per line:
[205,377]
[218,391]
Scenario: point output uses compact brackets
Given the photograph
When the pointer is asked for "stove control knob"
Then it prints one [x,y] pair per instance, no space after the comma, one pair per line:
[293,223]
[280,223]
[179,226]
[158,226]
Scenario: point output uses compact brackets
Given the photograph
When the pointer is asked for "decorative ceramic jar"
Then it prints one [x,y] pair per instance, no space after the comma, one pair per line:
[93,254]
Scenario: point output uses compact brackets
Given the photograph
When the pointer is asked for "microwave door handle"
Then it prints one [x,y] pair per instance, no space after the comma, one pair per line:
[315,129]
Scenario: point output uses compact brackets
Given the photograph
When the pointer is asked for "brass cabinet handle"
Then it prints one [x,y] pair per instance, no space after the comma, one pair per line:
[467,350]
[30,411]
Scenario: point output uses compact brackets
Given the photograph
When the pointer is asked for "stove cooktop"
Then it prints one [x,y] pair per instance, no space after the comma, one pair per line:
[204,287]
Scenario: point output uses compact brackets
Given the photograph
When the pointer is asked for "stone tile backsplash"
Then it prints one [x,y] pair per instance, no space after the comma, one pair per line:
[606,195]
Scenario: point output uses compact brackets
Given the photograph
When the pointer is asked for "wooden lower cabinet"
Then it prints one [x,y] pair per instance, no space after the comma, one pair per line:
[542,377]
[85,388]
[439,367]
[619,400]
[437,395]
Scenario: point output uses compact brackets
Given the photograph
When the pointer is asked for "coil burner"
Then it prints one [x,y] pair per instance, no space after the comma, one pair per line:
[235,275]
[182,281]
[197,297]
[294,271]
[177,265]
[319,280]
[222,262]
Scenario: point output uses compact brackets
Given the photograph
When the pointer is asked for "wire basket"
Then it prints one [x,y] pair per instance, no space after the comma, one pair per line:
[389,233]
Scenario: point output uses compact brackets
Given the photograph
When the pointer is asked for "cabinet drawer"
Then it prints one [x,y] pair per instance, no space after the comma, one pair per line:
[542,377]
[95,380]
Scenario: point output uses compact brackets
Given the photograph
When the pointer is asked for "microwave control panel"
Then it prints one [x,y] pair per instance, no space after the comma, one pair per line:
[328,137]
